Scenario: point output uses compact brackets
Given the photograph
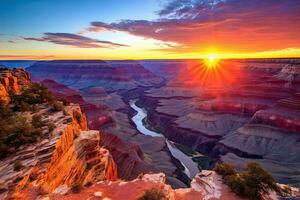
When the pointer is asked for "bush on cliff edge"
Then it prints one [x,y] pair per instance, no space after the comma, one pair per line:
[153,194]
[252,182]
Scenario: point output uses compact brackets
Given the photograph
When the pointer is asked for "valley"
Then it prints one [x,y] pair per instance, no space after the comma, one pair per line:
[224,121]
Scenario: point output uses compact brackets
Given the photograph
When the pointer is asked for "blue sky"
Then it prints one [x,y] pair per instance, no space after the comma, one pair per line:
[137,29]
[33,17]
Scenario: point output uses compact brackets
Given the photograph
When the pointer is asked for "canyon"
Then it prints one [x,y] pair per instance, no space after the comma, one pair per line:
[129,126]
[250,114]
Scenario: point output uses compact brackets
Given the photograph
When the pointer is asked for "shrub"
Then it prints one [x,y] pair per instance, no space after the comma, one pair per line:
[56,106]
[37,121]
[225,169]
[41,190]
[18,165]
[35,94]
[258,181]
[14,128]
[236,184]
[33,176]
[76,188]
[64,101]
[51,127]
[16,131]
[153,194]
[253,182]
[4,150]
[23,107]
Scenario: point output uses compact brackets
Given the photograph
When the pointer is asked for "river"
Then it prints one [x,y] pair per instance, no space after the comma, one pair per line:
[190,167]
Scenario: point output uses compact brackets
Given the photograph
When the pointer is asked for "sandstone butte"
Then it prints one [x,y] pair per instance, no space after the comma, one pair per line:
[72,156]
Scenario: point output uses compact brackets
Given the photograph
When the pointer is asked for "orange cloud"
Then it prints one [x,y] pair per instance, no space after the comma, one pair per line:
[232,25]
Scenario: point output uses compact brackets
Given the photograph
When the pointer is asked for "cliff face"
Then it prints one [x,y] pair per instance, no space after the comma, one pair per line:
[81,163]
[72,155]
[67,155]
[12,81]
[128,157]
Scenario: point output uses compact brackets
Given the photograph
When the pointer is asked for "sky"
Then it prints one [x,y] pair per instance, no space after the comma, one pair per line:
[148,29]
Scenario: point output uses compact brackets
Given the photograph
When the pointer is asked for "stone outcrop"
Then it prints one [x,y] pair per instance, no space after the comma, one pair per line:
[69,154]
[83,162]
[12,81]
[207,185]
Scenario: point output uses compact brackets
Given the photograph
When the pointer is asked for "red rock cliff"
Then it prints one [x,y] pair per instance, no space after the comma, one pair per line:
[12,81]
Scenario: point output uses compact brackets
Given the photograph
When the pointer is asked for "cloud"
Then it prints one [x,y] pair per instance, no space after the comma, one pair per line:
[74,40]
[238,25]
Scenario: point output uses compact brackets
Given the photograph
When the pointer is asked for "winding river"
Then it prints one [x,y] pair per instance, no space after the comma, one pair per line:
[190,167]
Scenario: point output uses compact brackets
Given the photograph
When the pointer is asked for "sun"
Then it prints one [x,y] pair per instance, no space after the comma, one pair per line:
[211,60]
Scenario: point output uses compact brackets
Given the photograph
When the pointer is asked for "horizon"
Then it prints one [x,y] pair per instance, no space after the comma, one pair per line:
[149,29]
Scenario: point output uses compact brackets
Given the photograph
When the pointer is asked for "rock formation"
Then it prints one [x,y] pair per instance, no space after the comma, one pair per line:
[205,186]
[69,154]
[12,81]
[253,118]
[118,134]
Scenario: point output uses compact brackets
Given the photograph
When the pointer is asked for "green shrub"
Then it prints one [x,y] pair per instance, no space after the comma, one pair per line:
[153,194]
[253,182]
[16,131]
[225,169]
[56,106]
[4,150]
[18,165]
[14,127]
[236,184]
[51,127]
[37,121]
[33,176]
[64,101]
[35,94]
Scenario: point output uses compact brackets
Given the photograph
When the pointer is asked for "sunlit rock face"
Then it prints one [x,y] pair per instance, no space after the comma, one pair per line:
[207,185]
[128,157]
[83,162]
[71,155]
[35,157]
[12,81]
[67,155]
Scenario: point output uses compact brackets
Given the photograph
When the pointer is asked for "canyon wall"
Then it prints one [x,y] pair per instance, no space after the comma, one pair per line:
[67,154]
[12,81]
[252,115]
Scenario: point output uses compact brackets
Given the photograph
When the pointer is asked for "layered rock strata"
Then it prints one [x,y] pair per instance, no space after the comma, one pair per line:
[12,81]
